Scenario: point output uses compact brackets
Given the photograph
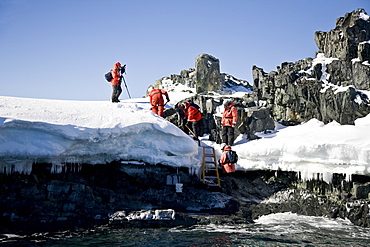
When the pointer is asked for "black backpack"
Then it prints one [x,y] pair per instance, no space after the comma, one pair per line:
[194,105]
[232,156]
[108,76]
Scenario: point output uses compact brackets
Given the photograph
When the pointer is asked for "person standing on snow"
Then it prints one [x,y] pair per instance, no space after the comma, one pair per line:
[157,101]
[228,122]
[224,161]
[116,81]
[193,117]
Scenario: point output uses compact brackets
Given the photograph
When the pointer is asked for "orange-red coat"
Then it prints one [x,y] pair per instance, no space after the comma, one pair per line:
[157,102]
[116,74]
[156,98]
[192,113]
[230,116]
[227,167]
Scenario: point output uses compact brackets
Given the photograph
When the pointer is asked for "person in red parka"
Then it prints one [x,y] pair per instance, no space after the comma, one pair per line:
[116,82]
[228,122]
[227,167]
[193,117]
[157,102]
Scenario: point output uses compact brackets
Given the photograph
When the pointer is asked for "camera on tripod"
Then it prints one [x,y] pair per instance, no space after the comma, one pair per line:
[123,69]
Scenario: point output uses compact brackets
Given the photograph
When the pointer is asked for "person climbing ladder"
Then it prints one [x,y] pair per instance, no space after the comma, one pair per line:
[228,159]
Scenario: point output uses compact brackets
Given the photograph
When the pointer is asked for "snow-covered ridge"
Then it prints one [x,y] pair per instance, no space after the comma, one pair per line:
[186,85]
[236,85]
[58,131]
[364,16]
[311,148]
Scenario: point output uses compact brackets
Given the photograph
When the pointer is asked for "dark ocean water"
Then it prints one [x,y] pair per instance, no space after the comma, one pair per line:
[273,230]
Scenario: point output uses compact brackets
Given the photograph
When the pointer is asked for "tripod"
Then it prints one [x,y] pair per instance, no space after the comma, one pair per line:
[123,71]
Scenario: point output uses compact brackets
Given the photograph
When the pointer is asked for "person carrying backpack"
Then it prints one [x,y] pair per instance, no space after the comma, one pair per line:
[116,81]
[157,101]
[228,159]
[228,122]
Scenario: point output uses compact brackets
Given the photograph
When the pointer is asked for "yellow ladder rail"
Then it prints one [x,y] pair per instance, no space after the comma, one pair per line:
[210,174]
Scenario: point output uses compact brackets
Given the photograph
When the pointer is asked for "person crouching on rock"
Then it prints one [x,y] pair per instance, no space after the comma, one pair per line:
[226,164]
[180,108]
[194,118]
[157,101]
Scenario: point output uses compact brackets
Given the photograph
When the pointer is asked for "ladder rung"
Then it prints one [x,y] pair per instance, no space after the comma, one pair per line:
[210,167]
[209,182]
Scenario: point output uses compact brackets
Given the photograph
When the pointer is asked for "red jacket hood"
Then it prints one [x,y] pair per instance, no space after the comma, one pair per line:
[117,65]
[229,106]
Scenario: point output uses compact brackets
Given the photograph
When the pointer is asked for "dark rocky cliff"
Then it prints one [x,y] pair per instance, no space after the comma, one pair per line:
[300,91]
[83,198]
[327,88]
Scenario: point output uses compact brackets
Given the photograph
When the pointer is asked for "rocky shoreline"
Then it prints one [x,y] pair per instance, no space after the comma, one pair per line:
[87,196]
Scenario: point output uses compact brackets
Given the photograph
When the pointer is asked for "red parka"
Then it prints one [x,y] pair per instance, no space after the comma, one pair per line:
[192,113]
[230,116]
[227,167]
[156,98]
[116,74]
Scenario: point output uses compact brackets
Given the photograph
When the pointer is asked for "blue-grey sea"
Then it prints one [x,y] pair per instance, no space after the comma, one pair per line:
[284,229]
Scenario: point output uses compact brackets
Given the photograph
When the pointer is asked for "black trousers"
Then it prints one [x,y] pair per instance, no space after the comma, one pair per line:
[196,127]
[227,135]
[117,90]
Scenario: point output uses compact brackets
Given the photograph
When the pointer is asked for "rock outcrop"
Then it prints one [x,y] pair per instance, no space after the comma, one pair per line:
[328,87]
[207,72]
[349,39]
[204,78]
[211,89]
[251,119]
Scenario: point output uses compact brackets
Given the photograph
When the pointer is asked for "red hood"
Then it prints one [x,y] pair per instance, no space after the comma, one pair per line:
[117,65]
[227,148]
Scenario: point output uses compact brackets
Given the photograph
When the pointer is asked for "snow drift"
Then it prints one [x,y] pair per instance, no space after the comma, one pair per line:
[56,131]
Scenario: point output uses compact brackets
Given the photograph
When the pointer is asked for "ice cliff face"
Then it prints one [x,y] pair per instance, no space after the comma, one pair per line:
[60,132]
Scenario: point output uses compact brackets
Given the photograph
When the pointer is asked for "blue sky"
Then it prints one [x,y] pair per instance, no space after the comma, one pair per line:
[61,49]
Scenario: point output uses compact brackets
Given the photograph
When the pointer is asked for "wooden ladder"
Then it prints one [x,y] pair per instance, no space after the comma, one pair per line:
[210,174]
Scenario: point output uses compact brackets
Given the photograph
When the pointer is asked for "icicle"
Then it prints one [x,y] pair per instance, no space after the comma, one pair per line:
[348,177]
[12,166]
[57,167]
[328,177]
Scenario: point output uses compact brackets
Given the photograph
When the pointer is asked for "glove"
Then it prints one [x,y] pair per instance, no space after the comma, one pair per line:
[219,164]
